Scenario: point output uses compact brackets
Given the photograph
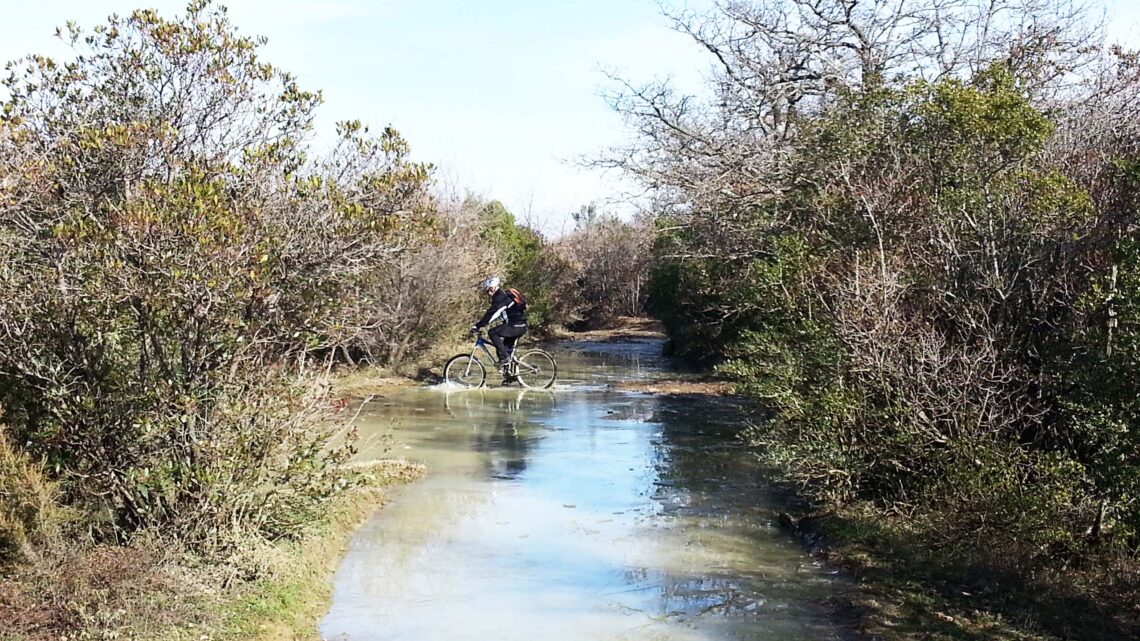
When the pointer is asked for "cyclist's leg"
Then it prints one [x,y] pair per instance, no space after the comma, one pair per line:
[497,339]
[512,336]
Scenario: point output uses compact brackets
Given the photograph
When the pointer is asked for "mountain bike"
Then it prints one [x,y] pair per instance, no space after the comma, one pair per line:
[531,368]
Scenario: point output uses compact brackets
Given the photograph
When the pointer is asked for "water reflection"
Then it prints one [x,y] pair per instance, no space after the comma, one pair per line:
[504,432]
[577,514]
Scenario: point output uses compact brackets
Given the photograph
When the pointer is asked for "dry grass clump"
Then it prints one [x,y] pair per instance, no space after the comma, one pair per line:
[55,588]
[93,592]
[29,514]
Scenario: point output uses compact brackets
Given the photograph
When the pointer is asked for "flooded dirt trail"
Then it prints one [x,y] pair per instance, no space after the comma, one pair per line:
[582,513]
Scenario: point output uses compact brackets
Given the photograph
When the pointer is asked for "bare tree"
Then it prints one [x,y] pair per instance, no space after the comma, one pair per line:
[711,160]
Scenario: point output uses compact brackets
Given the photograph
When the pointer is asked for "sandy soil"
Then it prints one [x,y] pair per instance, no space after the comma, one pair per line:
[366,382]
[620,329]
[678,387]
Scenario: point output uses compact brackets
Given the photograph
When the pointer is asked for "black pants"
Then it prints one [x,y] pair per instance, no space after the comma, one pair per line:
[505,336]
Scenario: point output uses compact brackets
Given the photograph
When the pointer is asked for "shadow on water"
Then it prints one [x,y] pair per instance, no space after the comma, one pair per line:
[581,513]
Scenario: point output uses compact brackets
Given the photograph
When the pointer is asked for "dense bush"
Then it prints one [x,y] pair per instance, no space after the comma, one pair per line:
[608,262]
[171,260]
[923,262]
[587,277]
[420,296]
[524,260]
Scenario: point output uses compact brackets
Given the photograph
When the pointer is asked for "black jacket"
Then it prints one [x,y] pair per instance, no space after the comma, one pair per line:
[501,301]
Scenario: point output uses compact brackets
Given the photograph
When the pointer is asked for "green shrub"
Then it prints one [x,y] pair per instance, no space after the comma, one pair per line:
[942,324]
[174,266]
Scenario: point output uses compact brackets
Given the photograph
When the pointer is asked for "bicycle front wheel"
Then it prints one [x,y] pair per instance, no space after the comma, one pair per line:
[537,369]
[464,371]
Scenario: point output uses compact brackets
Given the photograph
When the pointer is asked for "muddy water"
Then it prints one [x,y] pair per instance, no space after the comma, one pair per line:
[583,513]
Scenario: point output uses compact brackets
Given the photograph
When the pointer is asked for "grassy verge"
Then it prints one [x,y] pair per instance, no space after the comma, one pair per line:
[364,382]
[289,604]
[355,383]
[151,590]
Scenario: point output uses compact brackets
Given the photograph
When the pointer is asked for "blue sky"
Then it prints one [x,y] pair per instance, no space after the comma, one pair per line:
[499,94]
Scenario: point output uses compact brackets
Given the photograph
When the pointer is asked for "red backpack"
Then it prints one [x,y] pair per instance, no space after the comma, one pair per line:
[516,296]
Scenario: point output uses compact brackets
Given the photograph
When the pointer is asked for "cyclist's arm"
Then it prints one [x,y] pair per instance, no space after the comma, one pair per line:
[493,311]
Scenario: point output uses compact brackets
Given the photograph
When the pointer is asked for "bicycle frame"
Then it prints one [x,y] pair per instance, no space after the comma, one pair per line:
[512,362]
[483,343]
[519,369]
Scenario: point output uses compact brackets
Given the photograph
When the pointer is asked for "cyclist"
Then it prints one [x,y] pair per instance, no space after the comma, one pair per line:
[503,305]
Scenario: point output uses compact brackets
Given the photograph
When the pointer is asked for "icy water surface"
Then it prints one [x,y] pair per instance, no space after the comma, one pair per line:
[582,513]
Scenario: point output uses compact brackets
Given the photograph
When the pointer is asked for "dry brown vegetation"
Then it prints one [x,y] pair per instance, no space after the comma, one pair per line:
[606,269]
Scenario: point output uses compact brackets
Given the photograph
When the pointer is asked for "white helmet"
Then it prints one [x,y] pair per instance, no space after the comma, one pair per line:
[490,283]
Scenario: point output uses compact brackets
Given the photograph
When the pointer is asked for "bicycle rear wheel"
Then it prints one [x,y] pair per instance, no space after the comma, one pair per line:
[465,371]
[537,369]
